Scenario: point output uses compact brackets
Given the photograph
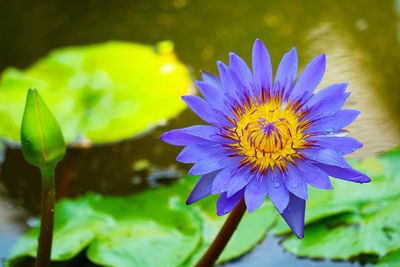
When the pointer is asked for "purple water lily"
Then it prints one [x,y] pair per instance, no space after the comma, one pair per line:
[267,137]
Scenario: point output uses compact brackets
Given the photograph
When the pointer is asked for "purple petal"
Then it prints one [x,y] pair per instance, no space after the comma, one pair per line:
[197,152]
[187,155]
[347,174]
[222,180]
[295,181]
[202,188]
[255,193]
[242,71]
[343,145]
[325,155]
[205,166]
[226,79]
[239,180]
[333,123]
[327,101]
[294,215]
[212,79]
[213,95]
[287,71]
[262,67]
[314,176]
[225,204]
[310,78]
[277,191]
[198,134]
[199,106]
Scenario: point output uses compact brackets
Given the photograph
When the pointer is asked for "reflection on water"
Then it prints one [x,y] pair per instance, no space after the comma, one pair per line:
[360,39]
[377,127]
[12,224]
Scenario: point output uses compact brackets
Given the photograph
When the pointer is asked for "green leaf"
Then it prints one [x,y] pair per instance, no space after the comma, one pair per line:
[99,93]
[391,260]
[356,219]
[41,138]
[75,227]
[128,231]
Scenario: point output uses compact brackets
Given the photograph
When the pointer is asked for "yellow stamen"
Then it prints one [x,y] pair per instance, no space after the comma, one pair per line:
[268,133]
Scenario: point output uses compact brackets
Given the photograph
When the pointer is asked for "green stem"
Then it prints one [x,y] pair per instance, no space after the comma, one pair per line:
[47,222]
[221,240]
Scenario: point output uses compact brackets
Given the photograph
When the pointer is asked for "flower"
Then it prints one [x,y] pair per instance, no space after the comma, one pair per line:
[267,138]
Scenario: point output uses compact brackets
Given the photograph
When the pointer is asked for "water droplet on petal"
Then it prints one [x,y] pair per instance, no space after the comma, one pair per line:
[276,184]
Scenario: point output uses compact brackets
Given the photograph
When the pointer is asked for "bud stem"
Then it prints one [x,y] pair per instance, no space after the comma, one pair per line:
[221,240]
[47,222]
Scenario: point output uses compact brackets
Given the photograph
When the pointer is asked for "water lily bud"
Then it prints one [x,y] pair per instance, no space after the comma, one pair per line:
[41,138]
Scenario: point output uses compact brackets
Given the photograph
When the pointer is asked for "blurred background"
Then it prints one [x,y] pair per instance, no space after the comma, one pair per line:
[360,38]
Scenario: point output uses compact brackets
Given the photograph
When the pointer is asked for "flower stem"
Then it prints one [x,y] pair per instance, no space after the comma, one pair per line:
[222,238]
[47,222]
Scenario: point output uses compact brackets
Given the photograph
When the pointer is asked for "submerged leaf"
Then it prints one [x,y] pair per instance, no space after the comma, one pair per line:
[99,93]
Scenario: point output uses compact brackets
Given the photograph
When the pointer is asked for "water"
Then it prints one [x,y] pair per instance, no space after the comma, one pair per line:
[360,39]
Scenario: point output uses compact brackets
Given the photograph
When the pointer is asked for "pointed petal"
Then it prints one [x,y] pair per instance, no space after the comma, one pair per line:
[206,166]
[197,152]
[202,188]
[325,155]
[333,123]
[255,193]
[202,109]
[222,180]
[226,79]
[242,71]
[294,215]
[326,102]
[212,79]
[347,174]
[295,181]
[314,176]
[287,70]
[343,145]
[277,191]
[262,67]
[213,95]
[225,204]
[310,78]
[239,180]
[198,134]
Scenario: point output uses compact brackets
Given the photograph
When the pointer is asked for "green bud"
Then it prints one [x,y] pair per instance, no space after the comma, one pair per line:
[42,140]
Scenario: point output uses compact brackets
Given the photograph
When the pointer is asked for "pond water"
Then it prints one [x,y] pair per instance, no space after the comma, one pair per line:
[360,39]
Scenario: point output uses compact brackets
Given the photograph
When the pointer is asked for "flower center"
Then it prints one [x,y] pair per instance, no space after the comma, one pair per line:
[267,133]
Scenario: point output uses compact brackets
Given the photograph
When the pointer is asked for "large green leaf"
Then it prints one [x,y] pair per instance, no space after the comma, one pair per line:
[154,228]
[75,227]
[392,260]
[101,92]
[357,219]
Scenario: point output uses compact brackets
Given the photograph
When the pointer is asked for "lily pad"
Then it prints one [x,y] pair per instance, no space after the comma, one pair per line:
[99,93]
[75,227]
[357,219]
[391,260]
[126,231]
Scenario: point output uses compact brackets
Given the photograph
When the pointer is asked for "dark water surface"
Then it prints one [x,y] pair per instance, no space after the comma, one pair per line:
[360,39]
